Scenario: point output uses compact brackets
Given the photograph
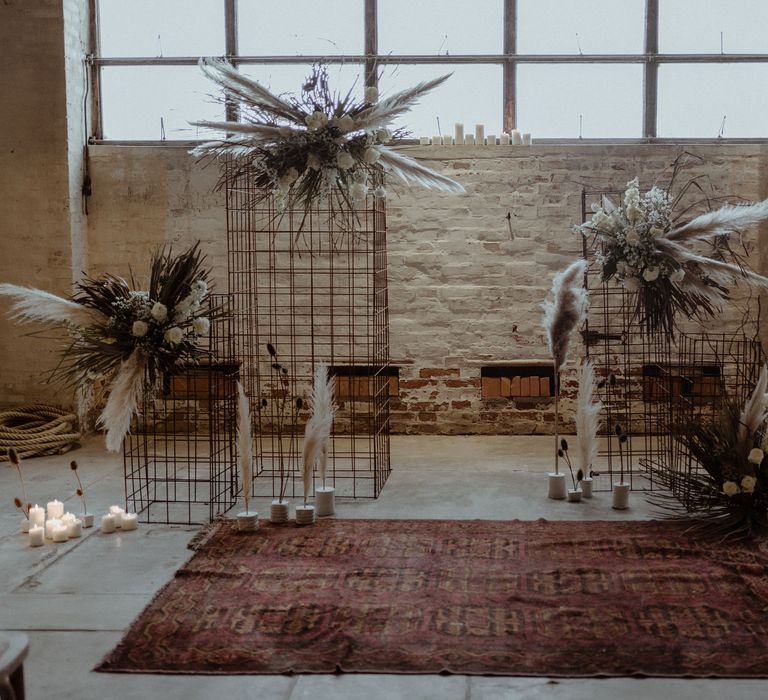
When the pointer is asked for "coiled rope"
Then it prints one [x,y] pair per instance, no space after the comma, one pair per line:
[37,430]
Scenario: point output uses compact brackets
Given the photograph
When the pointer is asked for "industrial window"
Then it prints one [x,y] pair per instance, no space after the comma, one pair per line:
[559,69]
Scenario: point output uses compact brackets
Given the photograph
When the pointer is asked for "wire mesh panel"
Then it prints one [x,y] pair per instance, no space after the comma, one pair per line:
[179,457]
[312,286]
[657,382]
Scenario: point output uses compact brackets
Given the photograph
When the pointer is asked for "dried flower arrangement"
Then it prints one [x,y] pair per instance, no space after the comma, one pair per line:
[80,491]
[561,316]
[120,334]
[728,497]
[670,266]
[587,421]
[316,144]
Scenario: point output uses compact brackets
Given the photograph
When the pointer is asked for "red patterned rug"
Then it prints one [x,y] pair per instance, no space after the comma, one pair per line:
[481,597]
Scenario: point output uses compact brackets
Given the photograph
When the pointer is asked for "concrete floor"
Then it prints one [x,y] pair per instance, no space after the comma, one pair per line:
[75,599]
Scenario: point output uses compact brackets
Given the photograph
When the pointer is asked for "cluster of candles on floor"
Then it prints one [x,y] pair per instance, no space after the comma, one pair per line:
[59,526]
[515,138]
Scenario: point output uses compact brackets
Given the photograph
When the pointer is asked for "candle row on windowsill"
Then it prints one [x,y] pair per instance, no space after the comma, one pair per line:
[60,526]
[515,138]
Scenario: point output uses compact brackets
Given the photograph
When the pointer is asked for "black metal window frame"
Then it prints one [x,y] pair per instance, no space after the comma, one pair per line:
[509,59]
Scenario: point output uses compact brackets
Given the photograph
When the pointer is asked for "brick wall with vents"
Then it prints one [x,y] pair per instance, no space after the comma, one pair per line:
[464,293]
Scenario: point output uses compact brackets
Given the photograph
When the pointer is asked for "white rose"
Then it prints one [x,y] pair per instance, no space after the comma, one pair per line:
[380,192]
[358,190]
[316,120]
[201,325]
[656,231]
[631,284]
[344,160]
[173,336]
[383,135]
[756,455]
[677,275]
[159,312]
[651,274]
[632,237]
[371,155]
[346,123]
[730,488]
[139,329]
[748,484]
[371,94]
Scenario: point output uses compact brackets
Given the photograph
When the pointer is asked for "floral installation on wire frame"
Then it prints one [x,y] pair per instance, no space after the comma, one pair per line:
[122,336]
[671,267]
[729,498]
[316,144]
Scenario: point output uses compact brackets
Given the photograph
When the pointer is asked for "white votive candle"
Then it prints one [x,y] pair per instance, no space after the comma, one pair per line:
[55,509]
[424,140]
[458,133]
[49,527]
[130,521]
[60,533]
[436,140]
[447,140]
[118,512]
[479,134]
[490,140]
[67,518]
[75,528]
[37,515]
[469,139]
[504,139]
[517,138]
[108,523]
[36,536]
[526,139]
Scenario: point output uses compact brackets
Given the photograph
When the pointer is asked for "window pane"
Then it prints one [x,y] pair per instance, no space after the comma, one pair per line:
[588,26]
[161,28]
[694,98]
[694,26]
[608,97]
[441,27]
[300,27]
[136,98]
[289,78]
[472,95]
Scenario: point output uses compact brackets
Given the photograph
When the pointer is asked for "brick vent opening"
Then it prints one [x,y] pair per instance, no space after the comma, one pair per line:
[517,381]
[358,382]
[697,383]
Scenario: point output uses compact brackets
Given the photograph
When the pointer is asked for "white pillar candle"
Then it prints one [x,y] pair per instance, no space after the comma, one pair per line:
[36,536]
[447,140]
[459,133]
[490,139]
[75,528]
[526,139]
[129,521]
[469,139]
[325,500]
[67,518]
[479,134]
[55,509]
[436,140]
[504,140]
[108,523]
[37,515]
[517,138]
[60,533]
[49,526]
[424,140]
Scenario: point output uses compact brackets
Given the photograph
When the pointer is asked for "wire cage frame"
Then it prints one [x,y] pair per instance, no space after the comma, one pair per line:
[179,458]
[658,382]
[313,286]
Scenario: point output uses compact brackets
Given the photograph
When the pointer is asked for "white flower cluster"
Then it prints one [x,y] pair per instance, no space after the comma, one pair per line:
[629,232]
[148,314]
[748,482]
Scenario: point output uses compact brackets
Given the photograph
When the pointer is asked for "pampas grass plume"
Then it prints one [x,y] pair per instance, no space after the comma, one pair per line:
[587,419]
[754,413]
[566,311]
[319,425]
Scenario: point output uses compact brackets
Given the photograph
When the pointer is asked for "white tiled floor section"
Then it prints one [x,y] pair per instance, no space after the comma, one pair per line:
[75,599]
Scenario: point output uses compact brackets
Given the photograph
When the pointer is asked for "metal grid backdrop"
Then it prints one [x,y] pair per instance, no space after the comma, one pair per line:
[316,293]
[179,457]
[660,382]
